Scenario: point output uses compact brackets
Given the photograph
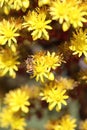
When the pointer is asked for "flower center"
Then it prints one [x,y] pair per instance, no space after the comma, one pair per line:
[9,33]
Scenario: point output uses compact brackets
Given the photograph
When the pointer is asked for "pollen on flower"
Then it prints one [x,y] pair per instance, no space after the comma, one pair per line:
[54,95]
[79,42]
[37,22]
[8,62]
[18,99]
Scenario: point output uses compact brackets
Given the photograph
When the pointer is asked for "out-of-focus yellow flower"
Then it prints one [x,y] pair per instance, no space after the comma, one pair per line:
[7,5]
[33,91]
[68,123]
[65,83]
[18,100]
[5,117]
[18,123]
[2,2]
[4,6]
[83,125]
[64,49]
[68,12]
[8,33]
[42,63]
[54,95]
[36,21]
[79,42]
[43,2]
[8,118]
[19,4]
[8,62]
[83,75]
[53,125]
[65,123]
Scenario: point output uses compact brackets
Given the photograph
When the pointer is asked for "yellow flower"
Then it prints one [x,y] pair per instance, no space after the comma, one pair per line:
[7,118]
[83,125]
[37,22]
[43,2]
[40,68]
[8,62]
[18,100]
[18,123]
[68,123]
[54,95]
[65,123]
[8,33]
[79,42]
[76,16]
[42,63]
[59,11]
[68,12]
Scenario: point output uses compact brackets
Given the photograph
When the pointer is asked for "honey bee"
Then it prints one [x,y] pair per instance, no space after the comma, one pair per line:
[29,65]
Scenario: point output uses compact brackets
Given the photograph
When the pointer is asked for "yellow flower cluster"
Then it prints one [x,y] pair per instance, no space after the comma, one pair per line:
[7,5]
[36,21]
[8,33]
[8,62]
[68,12]
[38,18]
[83,125]
[43,63]
[18,99]
[79,42]
[55,95]
[65,123]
